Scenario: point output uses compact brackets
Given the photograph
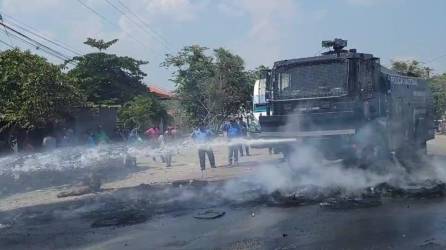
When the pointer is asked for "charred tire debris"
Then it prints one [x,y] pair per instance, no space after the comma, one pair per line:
[427,189]
[121,218]
[207,201]
[209,214]
[372,196]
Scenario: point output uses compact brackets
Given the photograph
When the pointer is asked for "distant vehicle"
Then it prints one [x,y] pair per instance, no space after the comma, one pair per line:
[258,107]
[259,100]
[347,104]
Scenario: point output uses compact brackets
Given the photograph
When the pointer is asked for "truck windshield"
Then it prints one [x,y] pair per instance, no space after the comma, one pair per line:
[313,80]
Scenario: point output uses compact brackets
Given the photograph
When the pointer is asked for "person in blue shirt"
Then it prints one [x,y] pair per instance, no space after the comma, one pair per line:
[233,132]
[202,136]
[90,141]
[134,137]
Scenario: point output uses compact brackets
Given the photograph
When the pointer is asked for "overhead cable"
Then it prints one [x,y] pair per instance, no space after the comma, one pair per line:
[33,31]
[139,24]
[110,22]
[32,42]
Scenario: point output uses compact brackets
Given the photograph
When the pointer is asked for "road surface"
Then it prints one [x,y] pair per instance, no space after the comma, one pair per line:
[396,225]
[167,221]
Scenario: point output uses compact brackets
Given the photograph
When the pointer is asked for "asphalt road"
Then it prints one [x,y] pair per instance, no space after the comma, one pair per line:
[396,224]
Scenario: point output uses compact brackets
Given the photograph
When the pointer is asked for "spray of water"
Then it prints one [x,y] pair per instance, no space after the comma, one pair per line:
[67,165]
[307,172]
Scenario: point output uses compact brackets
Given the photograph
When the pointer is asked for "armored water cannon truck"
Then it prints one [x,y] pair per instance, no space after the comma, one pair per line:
[347,104]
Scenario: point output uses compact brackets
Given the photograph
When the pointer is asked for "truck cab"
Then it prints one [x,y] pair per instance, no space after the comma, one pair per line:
[341,101]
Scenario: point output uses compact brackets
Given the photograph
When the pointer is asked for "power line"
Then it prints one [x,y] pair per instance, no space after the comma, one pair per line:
[110,22]
[26,39]
[95,12]
[6,32]
[141,20]
[139,25]
[131,19]
[30,29]
[32,45]
[436,58]
[37,44]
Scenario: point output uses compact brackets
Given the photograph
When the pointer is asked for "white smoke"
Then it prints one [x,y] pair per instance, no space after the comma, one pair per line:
[308,168]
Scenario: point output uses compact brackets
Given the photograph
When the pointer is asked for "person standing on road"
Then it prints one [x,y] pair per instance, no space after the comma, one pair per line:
[134,137]
[244,134]
[101,136]
[67,138]
[165,142]
[202,136]
[233,132]
[90,141]
[13,144]
[49,142]
[153,134]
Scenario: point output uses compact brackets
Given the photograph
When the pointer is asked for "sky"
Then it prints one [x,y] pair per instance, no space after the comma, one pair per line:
[260,31]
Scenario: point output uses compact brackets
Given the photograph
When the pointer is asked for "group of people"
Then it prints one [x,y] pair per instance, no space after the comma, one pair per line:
[92,138]
[234,129]
[162,141]
[97,137]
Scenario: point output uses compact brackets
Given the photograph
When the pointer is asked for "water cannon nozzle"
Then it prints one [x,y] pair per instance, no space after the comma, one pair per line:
[337,44]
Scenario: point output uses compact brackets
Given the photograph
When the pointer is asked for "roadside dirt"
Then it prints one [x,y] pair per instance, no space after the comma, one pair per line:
[185,167]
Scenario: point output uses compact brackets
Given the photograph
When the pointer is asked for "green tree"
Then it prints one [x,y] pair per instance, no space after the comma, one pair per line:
[193,71]
[210,88]
[411,68]
[142,112]
[108,78]
[258,72]
[436,83]
[100,44]
[438,88]
[33,92]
